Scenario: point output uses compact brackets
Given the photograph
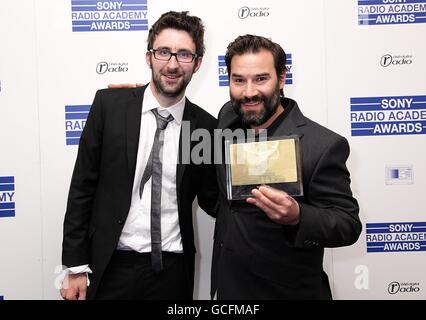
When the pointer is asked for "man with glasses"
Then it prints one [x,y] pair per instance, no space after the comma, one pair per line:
[128,223]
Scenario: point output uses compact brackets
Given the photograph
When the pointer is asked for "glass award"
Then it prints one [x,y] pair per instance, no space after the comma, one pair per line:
[274,162]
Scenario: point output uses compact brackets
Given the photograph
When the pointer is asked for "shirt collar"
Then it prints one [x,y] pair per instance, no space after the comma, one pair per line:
[150,102]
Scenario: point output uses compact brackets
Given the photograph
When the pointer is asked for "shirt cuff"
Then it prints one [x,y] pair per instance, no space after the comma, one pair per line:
[76,270]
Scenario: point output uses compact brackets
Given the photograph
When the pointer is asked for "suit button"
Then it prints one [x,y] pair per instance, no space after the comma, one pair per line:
[221,244]
[120,221]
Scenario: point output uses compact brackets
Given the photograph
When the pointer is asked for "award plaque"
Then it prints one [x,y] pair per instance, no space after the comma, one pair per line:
[275,162]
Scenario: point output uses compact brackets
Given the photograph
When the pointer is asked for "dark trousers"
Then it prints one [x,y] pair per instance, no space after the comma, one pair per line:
[129,276]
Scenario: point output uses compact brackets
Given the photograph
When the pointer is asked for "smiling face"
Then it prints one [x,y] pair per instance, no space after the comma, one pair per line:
[255,88]
[170,78]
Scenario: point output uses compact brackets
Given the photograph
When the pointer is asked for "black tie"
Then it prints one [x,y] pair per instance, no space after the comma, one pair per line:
[154,168]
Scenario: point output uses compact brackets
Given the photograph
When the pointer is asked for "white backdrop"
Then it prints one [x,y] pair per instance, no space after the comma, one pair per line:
[339,54]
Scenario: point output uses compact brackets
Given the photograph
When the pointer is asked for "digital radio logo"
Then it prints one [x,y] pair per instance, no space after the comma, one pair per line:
[100,15]
[396,60]
[75,119]
[379,12]
[403,287]
[104,67]
[223,71]
[7,193]
[398,115]
[399,175]
[246,12]
[396,236]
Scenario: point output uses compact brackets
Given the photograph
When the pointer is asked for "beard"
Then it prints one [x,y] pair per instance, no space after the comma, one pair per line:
[167,90]
[257,118]
[171,91]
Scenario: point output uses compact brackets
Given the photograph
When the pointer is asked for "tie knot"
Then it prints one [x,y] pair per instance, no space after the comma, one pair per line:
[162,122]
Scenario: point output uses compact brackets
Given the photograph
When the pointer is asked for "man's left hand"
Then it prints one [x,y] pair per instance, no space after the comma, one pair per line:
[277,204]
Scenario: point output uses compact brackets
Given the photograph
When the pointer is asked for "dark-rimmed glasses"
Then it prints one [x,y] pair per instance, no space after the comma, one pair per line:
[166,55]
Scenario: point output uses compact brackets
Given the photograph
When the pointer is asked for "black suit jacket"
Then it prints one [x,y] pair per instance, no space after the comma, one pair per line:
[255,258]
[101,187]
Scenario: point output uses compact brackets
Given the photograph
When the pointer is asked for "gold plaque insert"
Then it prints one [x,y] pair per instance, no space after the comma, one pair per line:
[264,162]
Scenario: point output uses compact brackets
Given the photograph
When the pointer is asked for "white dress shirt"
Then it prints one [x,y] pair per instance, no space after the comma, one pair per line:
[136,233]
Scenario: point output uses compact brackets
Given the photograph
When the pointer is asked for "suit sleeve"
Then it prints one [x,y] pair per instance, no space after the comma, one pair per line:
[75,245]
[330,216]
[208,192]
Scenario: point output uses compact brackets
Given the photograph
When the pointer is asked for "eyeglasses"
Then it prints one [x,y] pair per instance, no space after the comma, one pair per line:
[166,55]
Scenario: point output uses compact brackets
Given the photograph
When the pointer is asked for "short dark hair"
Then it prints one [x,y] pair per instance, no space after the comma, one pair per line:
[179,21]
[253,44]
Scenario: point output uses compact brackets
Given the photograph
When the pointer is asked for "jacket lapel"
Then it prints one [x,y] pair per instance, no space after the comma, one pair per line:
[292,123]
[185,143]
[133,125]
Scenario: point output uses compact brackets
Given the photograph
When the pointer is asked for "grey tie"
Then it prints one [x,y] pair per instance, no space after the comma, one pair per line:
[154,168]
